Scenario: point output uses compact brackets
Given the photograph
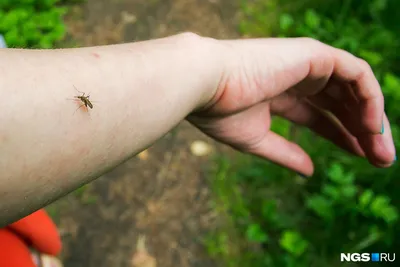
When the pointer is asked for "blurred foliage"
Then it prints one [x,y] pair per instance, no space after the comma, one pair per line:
[284,220]
[32,23]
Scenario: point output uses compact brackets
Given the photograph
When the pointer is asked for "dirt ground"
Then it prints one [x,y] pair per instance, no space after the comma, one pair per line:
[163,193]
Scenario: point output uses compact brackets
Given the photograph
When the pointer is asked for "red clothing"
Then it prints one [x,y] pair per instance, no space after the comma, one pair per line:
[34,231]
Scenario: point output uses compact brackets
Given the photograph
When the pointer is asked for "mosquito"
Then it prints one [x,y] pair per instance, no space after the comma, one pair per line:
[85,99]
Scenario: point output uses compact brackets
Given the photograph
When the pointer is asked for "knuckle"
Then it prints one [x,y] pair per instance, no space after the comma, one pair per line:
[365,66]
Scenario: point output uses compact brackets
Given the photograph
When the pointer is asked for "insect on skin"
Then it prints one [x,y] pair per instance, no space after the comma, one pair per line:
[84,99]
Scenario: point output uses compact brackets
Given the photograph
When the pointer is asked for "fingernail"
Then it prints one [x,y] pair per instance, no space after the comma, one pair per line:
[383,128]
[302,175]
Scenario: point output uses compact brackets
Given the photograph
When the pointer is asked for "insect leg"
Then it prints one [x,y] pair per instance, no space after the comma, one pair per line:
[78,90]
[78,108]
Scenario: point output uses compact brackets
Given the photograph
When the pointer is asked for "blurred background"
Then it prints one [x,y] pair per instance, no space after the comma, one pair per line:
[201,204]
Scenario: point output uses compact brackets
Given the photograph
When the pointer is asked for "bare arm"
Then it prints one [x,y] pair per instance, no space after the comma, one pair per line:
[139,92]
[229,89]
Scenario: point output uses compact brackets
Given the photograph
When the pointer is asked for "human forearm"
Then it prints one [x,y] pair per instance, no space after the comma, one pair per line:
[139,92]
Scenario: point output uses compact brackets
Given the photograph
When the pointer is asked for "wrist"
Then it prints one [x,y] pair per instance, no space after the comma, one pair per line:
[207,61]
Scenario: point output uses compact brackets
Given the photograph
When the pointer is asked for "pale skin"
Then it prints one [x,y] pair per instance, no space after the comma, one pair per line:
[229,89]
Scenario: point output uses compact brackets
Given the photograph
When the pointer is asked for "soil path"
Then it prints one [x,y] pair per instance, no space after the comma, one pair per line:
[161,194]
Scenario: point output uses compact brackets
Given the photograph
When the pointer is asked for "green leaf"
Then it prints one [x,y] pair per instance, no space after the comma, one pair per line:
[381,208]
[9,21]
[335,172]
[373,58]
[390,215]
[280,126]
[312,20]
[14,39]
[349,191]
[378,204]
[337,175]
[321,206]
[45,43]
[285,22]
[331,191]
[58,33]
[391,81]
[365,198]
[292,242]
[254,233]
[329,26]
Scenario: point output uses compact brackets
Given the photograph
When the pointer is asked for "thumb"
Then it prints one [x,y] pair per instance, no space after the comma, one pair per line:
[279,150]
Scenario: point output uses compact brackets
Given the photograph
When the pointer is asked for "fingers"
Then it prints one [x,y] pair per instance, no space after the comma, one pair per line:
[339,126]
[283,152]
[342,110]
[355,77]
[379,148]
[316,63]
[361,110]
[359,75]
[325,125]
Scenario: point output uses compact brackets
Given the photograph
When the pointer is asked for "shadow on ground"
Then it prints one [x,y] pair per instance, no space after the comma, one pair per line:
[162,194]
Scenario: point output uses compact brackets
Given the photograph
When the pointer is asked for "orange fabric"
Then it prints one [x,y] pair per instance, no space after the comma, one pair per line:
[39,231]
[13,251]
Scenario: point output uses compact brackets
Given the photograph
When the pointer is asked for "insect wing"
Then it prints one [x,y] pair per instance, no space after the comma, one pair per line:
[89,104]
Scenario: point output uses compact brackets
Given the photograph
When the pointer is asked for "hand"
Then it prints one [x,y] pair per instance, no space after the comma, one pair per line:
[328,90]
